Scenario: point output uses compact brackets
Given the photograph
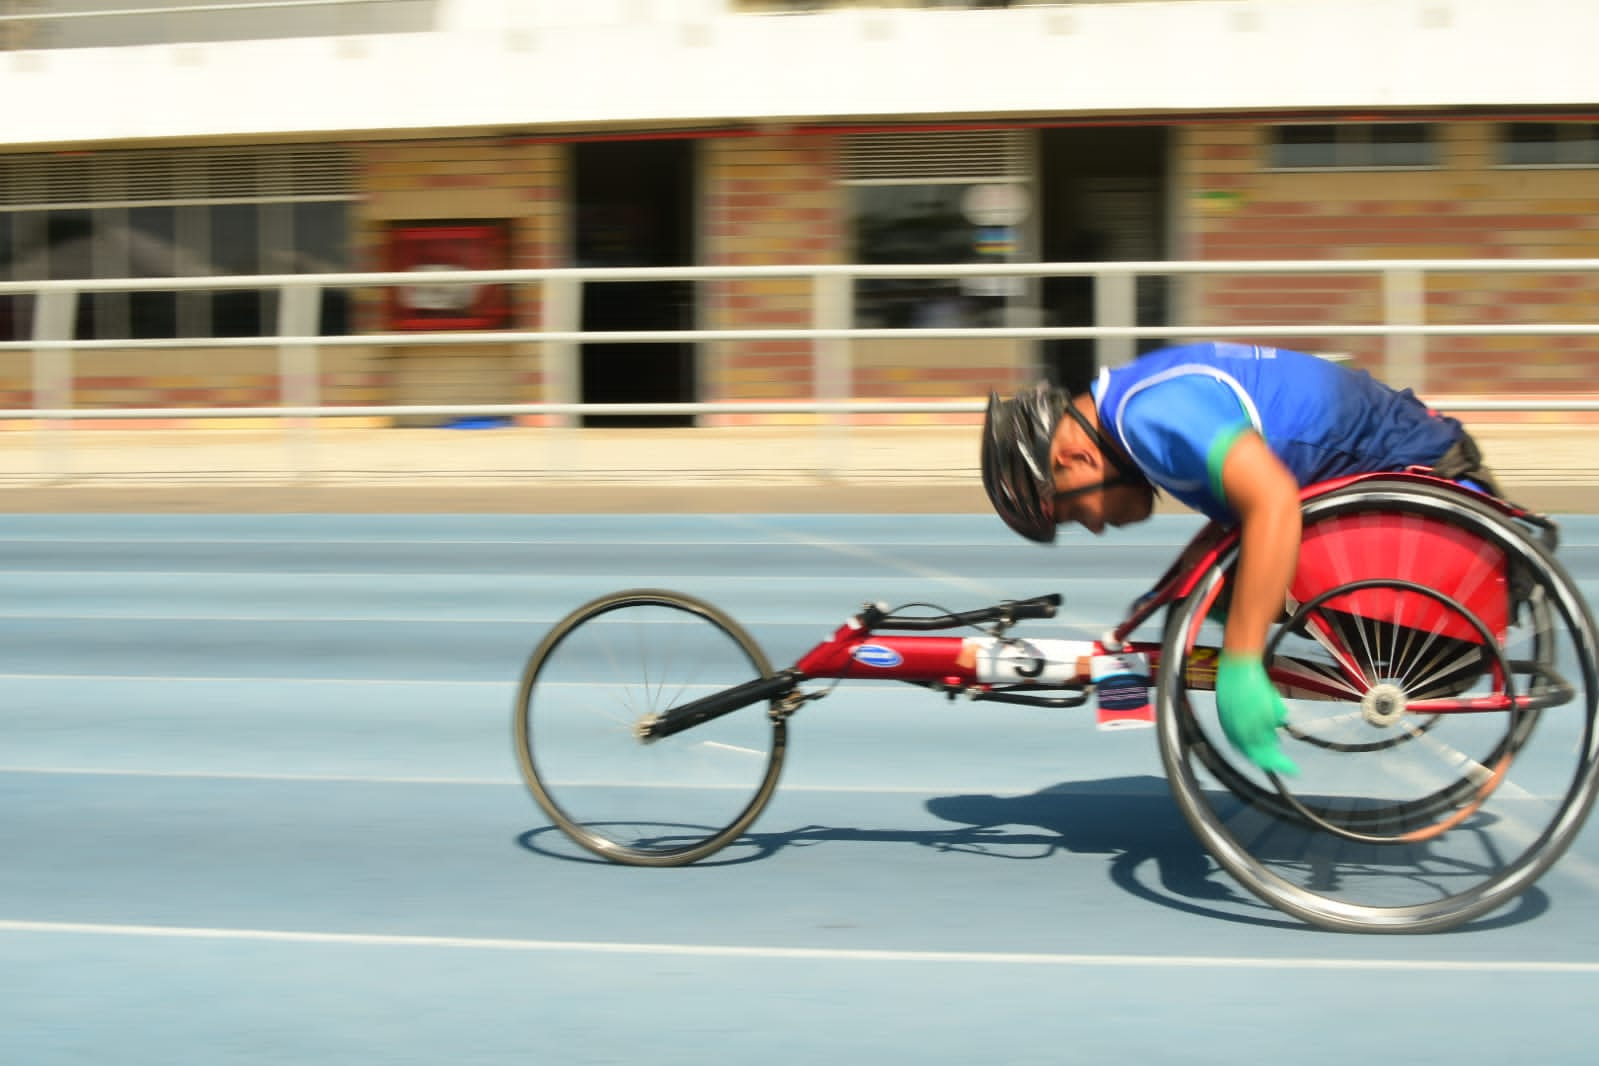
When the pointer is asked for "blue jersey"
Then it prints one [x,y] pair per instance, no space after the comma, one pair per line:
[1177,412]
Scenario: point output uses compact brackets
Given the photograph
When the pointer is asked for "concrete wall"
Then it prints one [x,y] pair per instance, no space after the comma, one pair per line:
[522,64]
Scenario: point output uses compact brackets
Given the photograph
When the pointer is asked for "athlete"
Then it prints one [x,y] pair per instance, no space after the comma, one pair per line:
[1232,431]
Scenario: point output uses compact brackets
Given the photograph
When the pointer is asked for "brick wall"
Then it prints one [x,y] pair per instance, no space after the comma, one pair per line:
[774,199]
[195,377]
[216,377]
[768,201]
[452,179]
[1465,208]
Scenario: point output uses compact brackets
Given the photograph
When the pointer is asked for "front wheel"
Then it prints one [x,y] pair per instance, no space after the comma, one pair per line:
[613,664]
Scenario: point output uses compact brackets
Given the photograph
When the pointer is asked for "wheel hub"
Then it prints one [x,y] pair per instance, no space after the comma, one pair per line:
[1383,704]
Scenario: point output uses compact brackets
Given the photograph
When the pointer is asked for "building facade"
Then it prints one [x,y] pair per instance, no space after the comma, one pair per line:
[478,134]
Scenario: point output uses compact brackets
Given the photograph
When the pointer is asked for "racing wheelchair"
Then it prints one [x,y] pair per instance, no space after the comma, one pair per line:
[1437,662]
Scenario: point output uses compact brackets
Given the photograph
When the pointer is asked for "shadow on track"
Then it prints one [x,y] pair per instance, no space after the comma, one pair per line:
[1152,853]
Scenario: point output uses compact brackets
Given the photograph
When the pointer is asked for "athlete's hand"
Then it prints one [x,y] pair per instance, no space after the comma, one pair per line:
[1251,711]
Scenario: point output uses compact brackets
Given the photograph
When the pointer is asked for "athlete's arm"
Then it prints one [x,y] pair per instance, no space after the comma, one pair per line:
[1195,431]
[1265,496]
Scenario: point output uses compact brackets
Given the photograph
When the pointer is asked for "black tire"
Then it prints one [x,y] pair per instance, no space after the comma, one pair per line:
[1402,826]
[602,670]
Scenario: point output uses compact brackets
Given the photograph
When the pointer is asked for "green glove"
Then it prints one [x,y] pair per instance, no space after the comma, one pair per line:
[1251,710]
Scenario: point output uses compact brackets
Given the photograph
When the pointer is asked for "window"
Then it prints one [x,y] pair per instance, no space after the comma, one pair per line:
[1549,144]
[945,197]
[196,213]
[1352,146]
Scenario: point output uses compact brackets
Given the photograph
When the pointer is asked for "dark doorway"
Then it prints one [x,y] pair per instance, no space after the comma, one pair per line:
[634,205]
[1103,193]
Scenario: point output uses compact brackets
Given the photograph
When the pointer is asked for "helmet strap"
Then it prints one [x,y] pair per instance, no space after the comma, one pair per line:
[1125,474]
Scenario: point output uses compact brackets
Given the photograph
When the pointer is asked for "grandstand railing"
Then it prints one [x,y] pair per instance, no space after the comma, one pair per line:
[298,345]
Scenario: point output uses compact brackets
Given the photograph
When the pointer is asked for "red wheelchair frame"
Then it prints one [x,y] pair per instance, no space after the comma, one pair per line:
[1428,561]
[872,644]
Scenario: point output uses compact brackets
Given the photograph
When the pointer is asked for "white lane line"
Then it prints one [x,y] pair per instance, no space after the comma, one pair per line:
[973,583]
[228,775]
[734,748]
[49,616]
[351,575]
[1000,791]
[983,539]
[1123,541]
[356,541]
[442,542]
[375,620]
[715,951]
[166,679]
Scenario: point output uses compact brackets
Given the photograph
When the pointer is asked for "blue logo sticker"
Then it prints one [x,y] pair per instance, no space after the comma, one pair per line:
[878,656]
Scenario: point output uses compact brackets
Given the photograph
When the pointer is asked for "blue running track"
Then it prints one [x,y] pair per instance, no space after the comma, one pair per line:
[260,805]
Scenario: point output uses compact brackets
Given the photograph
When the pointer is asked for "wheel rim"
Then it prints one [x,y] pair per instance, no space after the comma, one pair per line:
[586,689]
[1389,671]
[1492,852]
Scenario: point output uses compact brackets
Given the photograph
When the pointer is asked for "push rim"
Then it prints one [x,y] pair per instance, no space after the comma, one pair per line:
[1288,861]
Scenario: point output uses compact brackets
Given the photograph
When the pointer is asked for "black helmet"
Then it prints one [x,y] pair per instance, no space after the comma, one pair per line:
[1017,470]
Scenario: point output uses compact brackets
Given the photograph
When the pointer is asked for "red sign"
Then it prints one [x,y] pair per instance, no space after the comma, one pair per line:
[433,247]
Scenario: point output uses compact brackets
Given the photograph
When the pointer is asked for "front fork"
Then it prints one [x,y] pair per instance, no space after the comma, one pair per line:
[783,686]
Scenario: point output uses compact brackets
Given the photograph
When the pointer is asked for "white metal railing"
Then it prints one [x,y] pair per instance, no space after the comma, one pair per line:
[1402,326]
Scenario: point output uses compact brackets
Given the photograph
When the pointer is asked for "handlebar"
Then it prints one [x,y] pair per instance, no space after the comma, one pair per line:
[873,616]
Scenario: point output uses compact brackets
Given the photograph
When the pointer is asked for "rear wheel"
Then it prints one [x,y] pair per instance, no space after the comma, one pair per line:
[1439,670]
[614,664]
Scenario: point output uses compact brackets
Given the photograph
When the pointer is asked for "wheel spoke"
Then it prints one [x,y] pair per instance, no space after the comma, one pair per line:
[1401,820]
[605,668]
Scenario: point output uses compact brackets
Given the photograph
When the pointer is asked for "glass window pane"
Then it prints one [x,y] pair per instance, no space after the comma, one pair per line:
[29,260]
[1529,143]
[925,224]
[236,249]
[153,242]
[1304,146]
[322,246]
[237,313]
[277,256]
[108,252]
[153,252]
[67,253]
[1401,144]
[321,237]
[235,239]
[10,311]
[911,224]
[193,237]
[1580,144]
[67,248]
